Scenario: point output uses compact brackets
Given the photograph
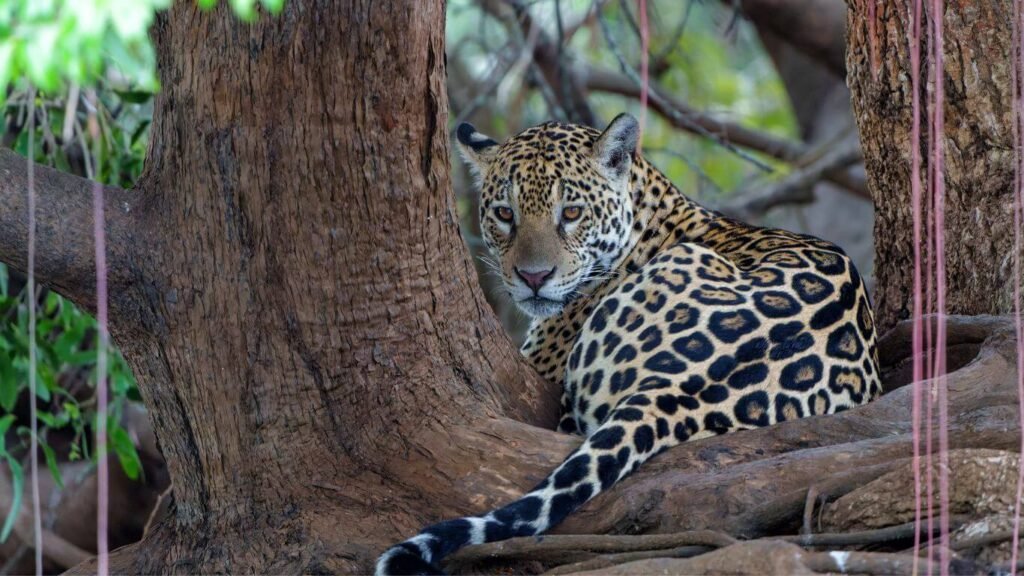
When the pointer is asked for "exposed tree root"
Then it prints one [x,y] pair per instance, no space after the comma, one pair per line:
[578,553]
[775,557]
[607,560]
[701,496]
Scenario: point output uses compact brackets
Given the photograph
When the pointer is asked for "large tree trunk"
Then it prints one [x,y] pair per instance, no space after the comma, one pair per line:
[290,287]
[978,142]
[315,327]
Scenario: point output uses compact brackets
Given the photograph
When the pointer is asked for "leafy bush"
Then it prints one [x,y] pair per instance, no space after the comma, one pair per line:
[66,386]
[49,42]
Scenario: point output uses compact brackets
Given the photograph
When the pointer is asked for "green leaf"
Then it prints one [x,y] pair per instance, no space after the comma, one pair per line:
[5,424]
[274,6]
[51,463]
[44,381]
[80,358]
[46,418]
[244,9]
[125,450]
[134,96]
[7,67]
[8,384]
[18,481]
[139,131]
[121,383]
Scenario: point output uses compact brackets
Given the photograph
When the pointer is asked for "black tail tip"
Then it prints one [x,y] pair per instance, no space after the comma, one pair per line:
[405,560]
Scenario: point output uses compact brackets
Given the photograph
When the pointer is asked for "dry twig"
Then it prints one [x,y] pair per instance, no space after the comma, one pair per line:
[798,186]
[606,560]
[554,548]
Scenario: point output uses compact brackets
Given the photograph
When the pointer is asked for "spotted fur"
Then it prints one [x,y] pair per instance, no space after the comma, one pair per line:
[662,320]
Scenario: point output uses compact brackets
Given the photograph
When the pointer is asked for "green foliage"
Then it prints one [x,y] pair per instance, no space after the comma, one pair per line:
[717,65]
[50,43]
[65,386]
[246,9]
[116,157]
[17,477]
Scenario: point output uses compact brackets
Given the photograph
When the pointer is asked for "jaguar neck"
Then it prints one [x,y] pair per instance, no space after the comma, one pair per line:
[662,216]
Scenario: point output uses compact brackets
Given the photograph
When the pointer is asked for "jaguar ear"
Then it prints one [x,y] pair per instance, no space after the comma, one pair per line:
[477,149]
[615,147]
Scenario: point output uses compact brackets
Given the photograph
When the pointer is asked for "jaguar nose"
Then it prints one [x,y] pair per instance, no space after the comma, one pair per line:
[534,279]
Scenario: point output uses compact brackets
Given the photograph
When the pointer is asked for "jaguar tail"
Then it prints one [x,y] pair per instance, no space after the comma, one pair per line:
[615,449]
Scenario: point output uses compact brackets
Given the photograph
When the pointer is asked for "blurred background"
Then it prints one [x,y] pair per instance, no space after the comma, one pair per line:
[742,116]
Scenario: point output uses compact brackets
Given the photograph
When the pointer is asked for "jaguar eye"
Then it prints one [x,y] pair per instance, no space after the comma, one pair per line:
[504,213]
[571,213]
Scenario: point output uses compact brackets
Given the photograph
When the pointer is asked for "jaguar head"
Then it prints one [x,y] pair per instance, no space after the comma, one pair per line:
[556,207]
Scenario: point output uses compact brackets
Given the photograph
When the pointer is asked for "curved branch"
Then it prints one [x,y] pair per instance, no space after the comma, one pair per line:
[64,227]
[550,54]
[571,545]
[55,547]
[685,117]
[603,80]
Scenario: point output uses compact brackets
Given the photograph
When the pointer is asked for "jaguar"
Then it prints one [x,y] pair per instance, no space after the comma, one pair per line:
[663,321]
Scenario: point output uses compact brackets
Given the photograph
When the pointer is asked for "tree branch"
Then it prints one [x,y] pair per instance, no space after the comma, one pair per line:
[815,27]
[685,117]
[65,258]
[665,108]
[603,551]
[557,546]
[797,187]
[55,548]
[549,56]
[775,557]
[603,80]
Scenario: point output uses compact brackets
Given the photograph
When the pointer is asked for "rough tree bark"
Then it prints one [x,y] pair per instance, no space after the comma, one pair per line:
[978,140]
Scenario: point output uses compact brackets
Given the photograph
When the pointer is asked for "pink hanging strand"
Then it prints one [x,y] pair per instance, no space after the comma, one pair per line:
[917,340]
[939,211]
[929,309]
[30,298]
[1017,69]
[644,71]
[103,475]
[929,346]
